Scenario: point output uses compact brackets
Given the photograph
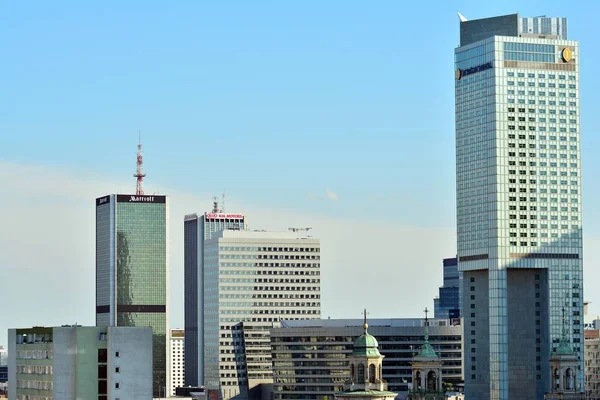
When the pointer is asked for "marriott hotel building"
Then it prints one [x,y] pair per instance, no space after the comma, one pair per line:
[132,265]
[518,165]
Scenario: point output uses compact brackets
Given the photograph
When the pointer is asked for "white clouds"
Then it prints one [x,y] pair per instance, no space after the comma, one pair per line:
[332,196]
[47,245]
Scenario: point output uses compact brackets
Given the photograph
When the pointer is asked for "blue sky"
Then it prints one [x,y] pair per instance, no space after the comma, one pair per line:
[275,103]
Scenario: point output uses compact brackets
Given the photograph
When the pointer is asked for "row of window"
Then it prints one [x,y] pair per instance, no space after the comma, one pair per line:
[35,354]
[269,296]
[35,369]
[542,84]
[287,249]
[511,74]
[32,384]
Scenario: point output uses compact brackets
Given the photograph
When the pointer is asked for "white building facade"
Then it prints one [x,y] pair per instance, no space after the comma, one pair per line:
[519,213]
[177,351]
[253,280]
[74,362]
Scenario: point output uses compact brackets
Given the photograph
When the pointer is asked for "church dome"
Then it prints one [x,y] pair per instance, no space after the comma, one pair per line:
[366,345]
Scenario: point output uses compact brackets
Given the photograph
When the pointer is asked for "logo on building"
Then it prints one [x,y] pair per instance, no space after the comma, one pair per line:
[567,54]
[142,198]
[460,73]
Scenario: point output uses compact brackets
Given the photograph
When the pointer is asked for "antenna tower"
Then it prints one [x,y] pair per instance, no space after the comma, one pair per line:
[215,205]
[139,173]
[223,202]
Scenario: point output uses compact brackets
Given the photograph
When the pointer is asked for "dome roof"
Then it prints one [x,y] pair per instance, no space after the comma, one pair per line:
[366,345]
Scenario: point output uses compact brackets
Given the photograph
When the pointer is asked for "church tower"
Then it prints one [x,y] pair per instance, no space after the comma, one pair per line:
[426,371]
[366,379]
[564,371]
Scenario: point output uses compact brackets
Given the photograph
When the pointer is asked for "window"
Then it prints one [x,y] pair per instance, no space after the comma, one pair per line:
[117,354]
[116,385]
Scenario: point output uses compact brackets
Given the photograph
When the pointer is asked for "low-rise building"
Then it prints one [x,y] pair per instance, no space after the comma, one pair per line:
[592,363]
[75,362]
[310,357]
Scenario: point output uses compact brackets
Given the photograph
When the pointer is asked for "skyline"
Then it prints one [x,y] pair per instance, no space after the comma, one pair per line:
[73,161]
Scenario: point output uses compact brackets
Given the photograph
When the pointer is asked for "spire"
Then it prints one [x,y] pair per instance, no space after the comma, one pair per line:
[365,325]
[426,350]
[139,174]
[564,346]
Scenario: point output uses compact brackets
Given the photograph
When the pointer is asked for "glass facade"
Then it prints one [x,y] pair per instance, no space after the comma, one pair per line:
[132,269]
[447,304]
[519,195]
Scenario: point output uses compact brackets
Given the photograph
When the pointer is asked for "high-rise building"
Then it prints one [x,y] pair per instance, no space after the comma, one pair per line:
[518,166]
[132,269]
[75,362]
[176,355]
[197,229]
[252,279]
[447,304]
[310,357]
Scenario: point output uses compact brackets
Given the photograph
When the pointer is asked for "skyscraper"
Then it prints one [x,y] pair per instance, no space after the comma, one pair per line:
[447,304]
[252,280]
[518,201]
[132,264]
[197,229]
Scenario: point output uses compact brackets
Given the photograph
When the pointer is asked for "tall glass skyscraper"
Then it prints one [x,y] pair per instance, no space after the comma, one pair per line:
[447,304]
[132,264]
[197,229]
[518,196]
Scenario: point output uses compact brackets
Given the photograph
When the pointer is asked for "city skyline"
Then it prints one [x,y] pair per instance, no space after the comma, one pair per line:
[49,185]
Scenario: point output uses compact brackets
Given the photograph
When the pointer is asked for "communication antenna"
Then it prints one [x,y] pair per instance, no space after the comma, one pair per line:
[215,205]
[139,174]
[223,202]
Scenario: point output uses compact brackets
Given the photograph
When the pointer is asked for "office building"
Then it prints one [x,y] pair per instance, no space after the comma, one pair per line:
[3,356]
[75,362]
[253,279]
[176,354]
[310,357]
[447,304]
[132,270]
[518,166]
[592,363]
[197,229]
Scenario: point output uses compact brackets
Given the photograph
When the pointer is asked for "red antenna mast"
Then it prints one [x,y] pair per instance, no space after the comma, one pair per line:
[139,174]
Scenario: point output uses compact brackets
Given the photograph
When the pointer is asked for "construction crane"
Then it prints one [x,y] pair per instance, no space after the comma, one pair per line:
[299,229]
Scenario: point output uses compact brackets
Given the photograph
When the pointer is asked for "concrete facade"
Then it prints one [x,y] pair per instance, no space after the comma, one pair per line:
[592,364]
[252,280]
[177,356]
[74,362]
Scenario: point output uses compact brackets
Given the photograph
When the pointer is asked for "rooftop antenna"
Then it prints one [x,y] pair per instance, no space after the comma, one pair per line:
[139,173]
[223,202]
[215,205]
